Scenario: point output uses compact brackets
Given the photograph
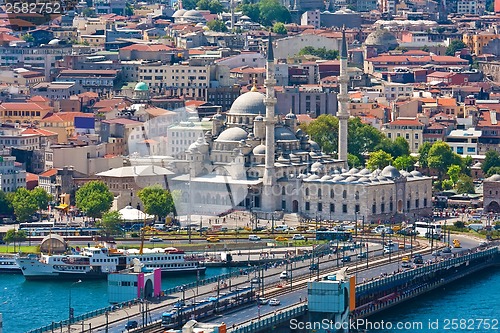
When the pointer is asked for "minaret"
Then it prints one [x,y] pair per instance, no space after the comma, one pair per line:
[268,202]
[343,98]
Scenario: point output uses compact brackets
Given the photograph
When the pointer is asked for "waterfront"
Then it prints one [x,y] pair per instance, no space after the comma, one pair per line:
[29,304]
[473,298]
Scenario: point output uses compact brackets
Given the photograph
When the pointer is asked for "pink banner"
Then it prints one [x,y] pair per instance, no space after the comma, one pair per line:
[140,284]
[157,282]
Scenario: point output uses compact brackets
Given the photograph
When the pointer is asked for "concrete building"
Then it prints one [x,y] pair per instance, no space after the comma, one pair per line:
[476,42]
[311,17]
[181,136]
[102,82]
[289,46]
[11,177]
[410,129]
[471,7]
[464,142]
[309,99]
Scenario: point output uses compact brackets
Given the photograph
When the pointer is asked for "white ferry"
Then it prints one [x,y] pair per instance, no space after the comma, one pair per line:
[9,265]
[98,262]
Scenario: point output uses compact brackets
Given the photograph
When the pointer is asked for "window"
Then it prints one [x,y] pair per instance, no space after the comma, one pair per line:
[332,194]
[307,205]
[407,136]
[356,209]
[408,204]
[344,194]
[320,207]
[417,203]
[374,208]
[283,204]
[332,208]
[307,191]
[319,193]
[425,202]
[416,136]
[344,208]
[382,207]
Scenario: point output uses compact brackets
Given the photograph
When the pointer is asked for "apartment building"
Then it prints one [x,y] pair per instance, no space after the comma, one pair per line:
[409,128]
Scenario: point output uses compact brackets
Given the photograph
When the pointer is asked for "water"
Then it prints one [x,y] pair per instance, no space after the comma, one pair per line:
[27,305]
[458,307]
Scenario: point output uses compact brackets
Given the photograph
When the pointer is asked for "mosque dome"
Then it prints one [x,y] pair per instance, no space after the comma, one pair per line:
[351,179]
[390,172]
[284,134]
[141,86]
[316,166]
[290,115]
[233,134]
[365,171]
[54,41]
[416,173]
[338,178]
[251,103]
[179,13]
[382,39]
[494,178]
[259,150]
[192,13]
[326,177]
[314,145]
[258,118]
[364,180]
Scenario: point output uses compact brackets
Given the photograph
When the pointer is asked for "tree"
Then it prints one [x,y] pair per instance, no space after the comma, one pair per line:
[217,25]
[324,130]
[214,6]
[189,4]
[423,152]
[5,204]
[440,157]
[491,159]
[405,162]
[353,161]
[94,198]
[459,224]
[14,236]
[493,170]
[454,172]
[156,201]
[322,52]
[87,12]
[24,204]
[129,9]
[279,28]
[378,160]
[28,38]
[251,10]
[455,45]
[447,184]
[41,197]
[465,185]
[273,11]
[110,223]
[396,148]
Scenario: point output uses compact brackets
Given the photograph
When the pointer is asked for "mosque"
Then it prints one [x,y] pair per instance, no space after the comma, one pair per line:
[252,160]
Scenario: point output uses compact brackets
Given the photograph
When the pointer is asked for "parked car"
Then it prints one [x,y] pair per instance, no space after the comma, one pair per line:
[274,302]
[131,324]
[213,239]
[253,238]
[281,239]
[284,275]
[155,240]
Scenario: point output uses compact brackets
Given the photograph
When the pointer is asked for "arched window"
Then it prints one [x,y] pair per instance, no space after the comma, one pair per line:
[356,196]
[319,193]
[307,191]
[283,191]
[332,194]
[344,194]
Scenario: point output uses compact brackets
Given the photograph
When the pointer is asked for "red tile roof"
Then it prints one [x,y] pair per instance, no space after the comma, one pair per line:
[147,47]
[65,117]
[39,131]
[418,59]
[405,122]
[49,173]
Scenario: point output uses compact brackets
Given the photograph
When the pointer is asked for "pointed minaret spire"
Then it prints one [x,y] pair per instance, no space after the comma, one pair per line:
[270,52]
[343,99]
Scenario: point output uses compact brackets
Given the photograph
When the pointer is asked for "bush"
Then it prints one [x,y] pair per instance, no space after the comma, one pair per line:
[134,235]
[459,225]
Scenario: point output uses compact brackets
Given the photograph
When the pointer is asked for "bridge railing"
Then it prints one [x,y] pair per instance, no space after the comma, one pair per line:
[270,320]
[423,270]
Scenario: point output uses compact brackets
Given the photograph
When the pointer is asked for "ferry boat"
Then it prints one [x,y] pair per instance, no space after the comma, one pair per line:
[98,262]
[9,265]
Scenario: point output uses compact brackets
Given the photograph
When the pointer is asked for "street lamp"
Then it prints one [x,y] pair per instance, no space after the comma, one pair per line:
[71,311]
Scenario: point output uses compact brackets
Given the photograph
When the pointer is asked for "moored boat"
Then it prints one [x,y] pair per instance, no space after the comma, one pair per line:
[9,265]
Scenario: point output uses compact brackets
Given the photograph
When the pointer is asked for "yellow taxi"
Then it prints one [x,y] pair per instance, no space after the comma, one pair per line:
[456,243]
[281,239]
[213,239]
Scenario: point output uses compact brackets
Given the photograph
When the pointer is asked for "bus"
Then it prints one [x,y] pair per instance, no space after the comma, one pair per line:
[342,236]
[426,229]
[65,232]
[34,225]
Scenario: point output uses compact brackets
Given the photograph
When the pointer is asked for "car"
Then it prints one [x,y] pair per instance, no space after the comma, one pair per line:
[284,275]
[155,240]
[131,324]
[401,246]
[418,260]
[483,244]
[262,301]
[274,302]
[213,239]
[456,243]
[362,255]
[446,250]
[253,238]
[436,253]
[255,280]
[346,259]
[281,239]
[387,250]
[298,237]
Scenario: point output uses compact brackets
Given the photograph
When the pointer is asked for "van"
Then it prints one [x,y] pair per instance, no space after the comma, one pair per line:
[253,238]
[282,227]
[159,226]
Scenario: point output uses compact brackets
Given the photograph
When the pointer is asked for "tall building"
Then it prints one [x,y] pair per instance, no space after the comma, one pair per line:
[343,99]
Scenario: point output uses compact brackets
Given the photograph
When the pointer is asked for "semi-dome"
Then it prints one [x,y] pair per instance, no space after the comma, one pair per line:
[316,166]
[192,13]
[326,177]
[141,86]
[258,118]
[390,172]
[284,134]
[365,171]
[251,102]
[416,173]
[364,180]
[382,39]
[351,179]
[233,134]
[291,115]
[259,150]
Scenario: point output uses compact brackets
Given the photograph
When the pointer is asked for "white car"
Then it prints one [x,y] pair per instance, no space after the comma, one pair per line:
[298,237]
[253,238]
[155,239]
[284,275]
[263,301]
[274,302]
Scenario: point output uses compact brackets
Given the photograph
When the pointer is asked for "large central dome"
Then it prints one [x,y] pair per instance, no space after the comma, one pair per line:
[251,102]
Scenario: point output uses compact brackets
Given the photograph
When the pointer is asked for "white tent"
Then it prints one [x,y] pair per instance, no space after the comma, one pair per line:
[131,214]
